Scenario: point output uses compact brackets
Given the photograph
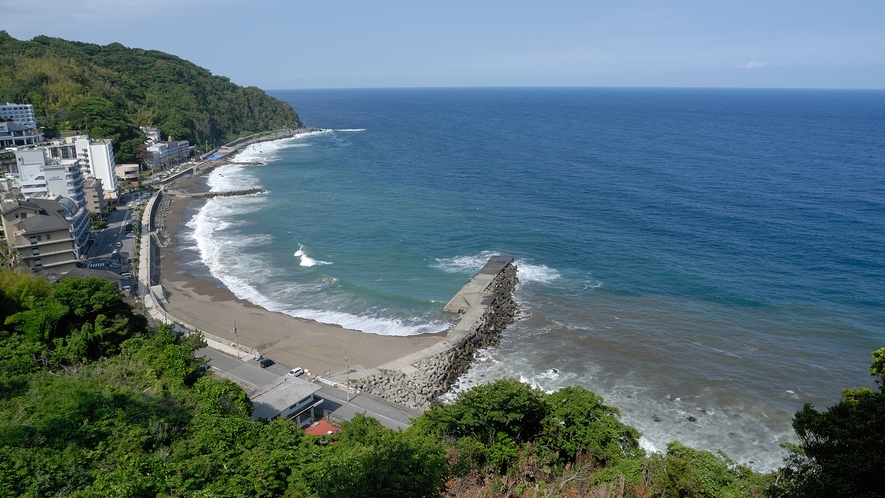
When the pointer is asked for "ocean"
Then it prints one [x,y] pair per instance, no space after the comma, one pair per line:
[709,253]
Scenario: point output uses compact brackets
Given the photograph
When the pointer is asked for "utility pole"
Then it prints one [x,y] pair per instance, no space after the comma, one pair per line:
[346,375]
[237,338]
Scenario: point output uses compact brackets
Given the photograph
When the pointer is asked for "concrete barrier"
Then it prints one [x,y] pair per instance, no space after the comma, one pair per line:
[486,306]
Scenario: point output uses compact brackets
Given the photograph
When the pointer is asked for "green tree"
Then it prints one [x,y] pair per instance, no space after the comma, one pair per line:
[371,460]
[579,422]
[841,450]
[81,319]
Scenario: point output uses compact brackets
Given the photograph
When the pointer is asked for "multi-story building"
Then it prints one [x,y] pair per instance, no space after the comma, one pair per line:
[151,132]
[97,159]
[43,176]
[95,202]
[22,114]
[168,154]
[13,134]
[128,173]
[41,232]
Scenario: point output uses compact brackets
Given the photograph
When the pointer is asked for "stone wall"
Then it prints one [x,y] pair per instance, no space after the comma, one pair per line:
[429,375]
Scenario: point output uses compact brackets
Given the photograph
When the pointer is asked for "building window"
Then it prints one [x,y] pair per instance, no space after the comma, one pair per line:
[34,239]
[35,252]
[37,263]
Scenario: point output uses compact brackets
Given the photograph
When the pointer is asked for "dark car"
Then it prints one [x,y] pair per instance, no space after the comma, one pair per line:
[266,362]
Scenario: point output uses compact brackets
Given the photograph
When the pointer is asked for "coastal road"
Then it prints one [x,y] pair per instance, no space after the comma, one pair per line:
[106,241]
[248,373]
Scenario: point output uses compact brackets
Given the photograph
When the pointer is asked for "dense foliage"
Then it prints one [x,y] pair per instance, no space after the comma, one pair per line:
[842,449]
[108,91]
[93,403]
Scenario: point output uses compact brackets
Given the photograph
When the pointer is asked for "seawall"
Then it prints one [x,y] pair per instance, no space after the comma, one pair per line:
[486,306]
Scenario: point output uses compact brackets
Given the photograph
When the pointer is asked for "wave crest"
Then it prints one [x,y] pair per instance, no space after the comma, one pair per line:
[306,260]
[472,263]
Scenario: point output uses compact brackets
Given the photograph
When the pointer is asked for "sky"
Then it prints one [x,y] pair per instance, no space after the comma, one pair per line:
[295,44]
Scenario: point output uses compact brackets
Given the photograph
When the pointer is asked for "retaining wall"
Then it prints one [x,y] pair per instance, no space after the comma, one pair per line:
[487,307]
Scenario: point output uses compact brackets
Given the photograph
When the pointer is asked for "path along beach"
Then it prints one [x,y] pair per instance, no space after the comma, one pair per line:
[314,346]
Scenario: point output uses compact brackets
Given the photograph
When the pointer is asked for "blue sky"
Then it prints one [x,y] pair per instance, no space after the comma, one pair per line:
[358,44]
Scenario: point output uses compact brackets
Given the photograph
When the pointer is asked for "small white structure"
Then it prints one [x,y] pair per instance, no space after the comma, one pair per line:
[290,397]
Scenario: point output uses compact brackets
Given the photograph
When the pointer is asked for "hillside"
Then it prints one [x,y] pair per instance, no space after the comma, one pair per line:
[95,403]
[109,91]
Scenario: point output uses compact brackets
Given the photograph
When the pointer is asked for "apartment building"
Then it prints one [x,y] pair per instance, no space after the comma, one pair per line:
[94,193]
[22,114]
[42,176]
[41,233]
[97,159]
[13,134]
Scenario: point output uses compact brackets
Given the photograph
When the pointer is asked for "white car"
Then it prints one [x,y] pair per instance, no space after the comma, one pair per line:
[126,288]
[295,372]
[126,274]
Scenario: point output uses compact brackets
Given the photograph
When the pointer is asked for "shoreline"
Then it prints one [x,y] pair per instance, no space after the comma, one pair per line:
[314,346]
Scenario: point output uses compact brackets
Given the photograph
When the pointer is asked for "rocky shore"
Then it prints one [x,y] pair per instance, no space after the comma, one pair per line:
[432,373]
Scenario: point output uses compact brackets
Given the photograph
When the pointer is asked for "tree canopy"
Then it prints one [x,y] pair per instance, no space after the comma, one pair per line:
[95,403]
[109,91]
[842,449]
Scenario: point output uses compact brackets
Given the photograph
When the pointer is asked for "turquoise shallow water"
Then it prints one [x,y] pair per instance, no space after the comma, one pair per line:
[707,253]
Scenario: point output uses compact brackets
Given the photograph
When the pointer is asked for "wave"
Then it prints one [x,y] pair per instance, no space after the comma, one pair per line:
[369,324]
[307,260]
[222,253]
[231,177]
[526,272]
[266,152]
[350,129]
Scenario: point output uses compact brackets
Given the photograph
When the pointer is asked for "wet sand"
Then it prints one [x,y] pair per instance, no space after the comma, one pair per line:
[291,341]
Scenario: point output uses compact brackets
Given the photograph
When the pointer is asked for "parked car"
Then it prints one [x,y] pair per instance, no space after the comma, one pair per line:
[296,372]
[130,235]
[126,274]
[265,362]
[119,244]
[114,265]
[127,288]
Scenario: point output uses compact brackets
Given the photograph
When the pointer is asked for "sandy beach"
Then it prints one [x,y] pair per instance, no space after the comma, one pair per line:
[291,341]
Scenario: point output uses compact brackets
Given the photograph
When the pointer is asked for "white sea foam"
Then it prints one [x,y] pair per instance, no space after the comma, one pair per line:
[526,272]
[267,152]
[307,260]
[351,129]
[231,177]
[369,324]
[222,253]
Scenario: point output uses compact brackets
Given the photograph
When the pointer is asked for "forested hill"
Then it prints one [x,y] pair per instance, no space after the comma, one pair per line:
[109,91]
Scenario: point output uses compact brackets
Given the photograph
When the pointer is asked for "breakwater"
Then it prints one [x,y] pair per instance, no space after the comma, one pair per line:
[486,306]
[228,193]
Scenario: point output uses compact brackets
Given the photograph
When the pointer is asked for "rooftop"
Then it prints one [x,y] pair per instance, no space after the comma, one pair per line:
[271,400]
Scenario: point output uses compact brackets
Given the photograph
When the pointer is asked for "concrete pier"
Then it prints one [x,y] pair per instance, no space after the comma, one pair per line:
[486,306]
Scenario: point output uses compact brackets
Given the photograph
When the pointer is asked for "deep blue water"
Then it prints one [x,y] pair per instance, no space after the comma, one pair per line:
[707,253]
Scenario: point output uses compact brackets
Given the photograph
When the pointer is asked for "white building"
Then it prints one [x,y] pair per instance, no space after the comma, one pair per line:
[97,160]
[151,132]
[13,134]
[168,154]
[289,397]
[43,176]
[22,114]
